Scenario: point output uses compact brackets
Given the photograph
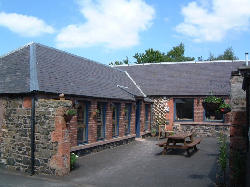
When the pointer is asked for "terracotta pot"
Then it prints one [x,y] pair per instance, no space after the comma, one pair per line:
[225,110]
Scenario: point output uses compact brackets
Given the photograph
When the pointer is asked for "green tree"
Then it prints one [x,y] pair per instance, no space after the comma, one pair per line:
[150,56]
[227,55]
[176,54]
[125,61]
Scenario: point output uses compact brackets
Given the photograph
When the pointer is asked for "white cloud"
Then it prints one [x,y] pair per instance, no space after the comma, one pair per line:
[203,24]
[115,24]
[28,26]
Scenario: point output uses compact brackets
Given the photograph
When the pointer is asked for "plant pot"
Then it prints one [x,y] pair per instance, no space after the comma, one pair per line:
[225,110]
[67,118]
[153,134]
[211,106]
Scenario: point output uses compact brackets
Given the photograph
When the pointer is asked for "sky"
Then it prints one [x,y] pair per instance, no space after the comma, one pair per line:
[110,30]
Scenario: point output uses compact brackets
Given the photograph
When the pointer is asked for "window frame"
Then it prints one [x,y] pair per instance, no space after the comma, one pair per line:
[103,121]
[117,119]
[147,108]
[129,117]
[213,121]
[189,120]
[86,119]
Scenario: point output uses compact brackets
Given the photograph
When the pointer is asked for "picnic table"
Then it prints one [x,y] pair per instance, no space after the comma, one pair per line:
[180,141]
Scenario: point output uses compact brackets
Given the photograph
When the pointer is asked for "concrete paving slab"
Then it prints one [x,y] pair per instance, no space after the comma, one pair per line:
[139,163]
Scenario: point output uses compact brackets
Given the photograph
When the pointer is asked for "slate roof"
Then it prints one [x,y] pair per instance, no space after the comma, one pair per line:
[36,67]
[183,79]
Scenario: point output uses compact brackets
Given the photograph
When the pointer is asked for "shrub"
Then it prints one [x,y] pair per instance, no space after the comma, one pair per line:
[73,159]
[213,99]
[71,112]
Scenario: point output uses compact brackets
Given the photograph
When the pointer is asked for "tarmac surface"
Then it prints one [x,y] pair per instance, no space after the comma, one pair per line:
[139,163]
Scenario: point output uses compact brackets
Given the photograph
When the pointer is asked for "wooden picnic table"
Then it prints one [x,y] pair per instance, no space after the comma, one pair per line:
[180,141]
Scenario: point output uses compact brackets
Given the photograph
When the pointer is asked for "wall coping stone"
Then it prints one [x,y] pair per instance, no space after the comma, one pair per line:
[202,123]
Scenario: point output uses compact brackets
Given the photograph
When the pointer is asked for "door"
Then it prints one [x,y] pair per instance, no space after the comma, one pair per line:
[138,114]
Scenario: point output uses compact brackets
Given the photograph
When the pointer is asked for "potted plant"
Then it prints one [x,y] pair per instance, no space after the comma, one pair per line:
[224,108]
[153,132]
[212,103]
[69,114]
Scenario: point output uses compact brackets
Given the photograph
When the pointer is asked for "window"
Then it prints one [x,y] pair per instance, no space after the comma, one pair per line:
[82,123]
[183,109]
[127,118]
[147,107]
[115,119]
[214,116]
[100,118]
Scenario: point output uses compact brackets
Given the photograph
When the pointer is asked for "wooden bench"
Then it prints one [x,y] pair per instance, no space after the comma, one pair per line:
[187,146]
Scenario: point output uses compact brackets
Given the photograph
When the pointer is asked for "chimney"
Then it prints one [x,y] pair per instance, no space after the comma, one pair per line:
[246,55]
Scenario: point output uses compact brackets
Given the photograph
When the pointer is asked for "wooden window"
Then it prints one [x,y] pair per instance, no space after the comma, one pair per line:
[127,118]
[82,123]
[183,109]
[115,119]
[101,117]
[147,108]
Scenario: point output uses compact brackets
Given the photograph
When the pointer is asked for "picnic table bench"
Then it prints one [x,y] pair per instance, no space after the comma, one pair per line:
[180,141]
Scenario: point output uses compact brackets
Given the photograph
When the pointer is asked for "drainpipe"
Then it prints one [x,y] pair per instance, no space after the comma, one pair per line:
[32,136]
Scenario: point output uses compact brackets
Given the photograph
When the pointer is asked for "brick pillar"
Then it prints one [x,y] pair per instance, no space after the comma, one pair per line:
[121,120]
[170,114]
[92,128]
[132,121]
[61,160]
[198,110]
[108,121]
[238,132]
[73,131]
[142,117]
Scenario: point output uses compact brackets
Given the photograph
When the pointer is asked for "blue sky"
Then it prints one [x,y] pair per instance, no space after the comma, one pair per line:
[109,30]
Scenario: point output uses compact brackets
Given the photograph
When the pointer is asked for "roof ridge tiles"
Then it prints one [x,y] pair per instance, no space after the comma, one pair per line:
[186,62]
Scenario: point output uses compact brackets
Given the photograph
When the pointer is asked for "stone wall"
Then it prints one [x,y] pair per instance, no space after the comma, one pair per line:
[203,130]
[52,142]
[15,138]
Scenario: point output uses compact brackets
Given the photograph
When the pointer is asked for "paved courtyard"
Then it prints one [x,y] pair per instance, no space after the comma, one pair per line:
[139,163]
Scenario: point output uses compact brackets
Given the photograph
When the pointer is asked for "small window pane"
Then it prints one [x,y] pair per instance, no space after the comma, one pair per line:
[100,121]
[82,123]
[114,120]
[146,117]
[183,109]
[214,116]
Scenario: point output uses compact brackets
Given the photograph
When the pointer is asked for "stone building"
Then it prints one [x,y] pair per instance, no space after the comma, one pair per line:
[34,136]
[178,90]
[114,105]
